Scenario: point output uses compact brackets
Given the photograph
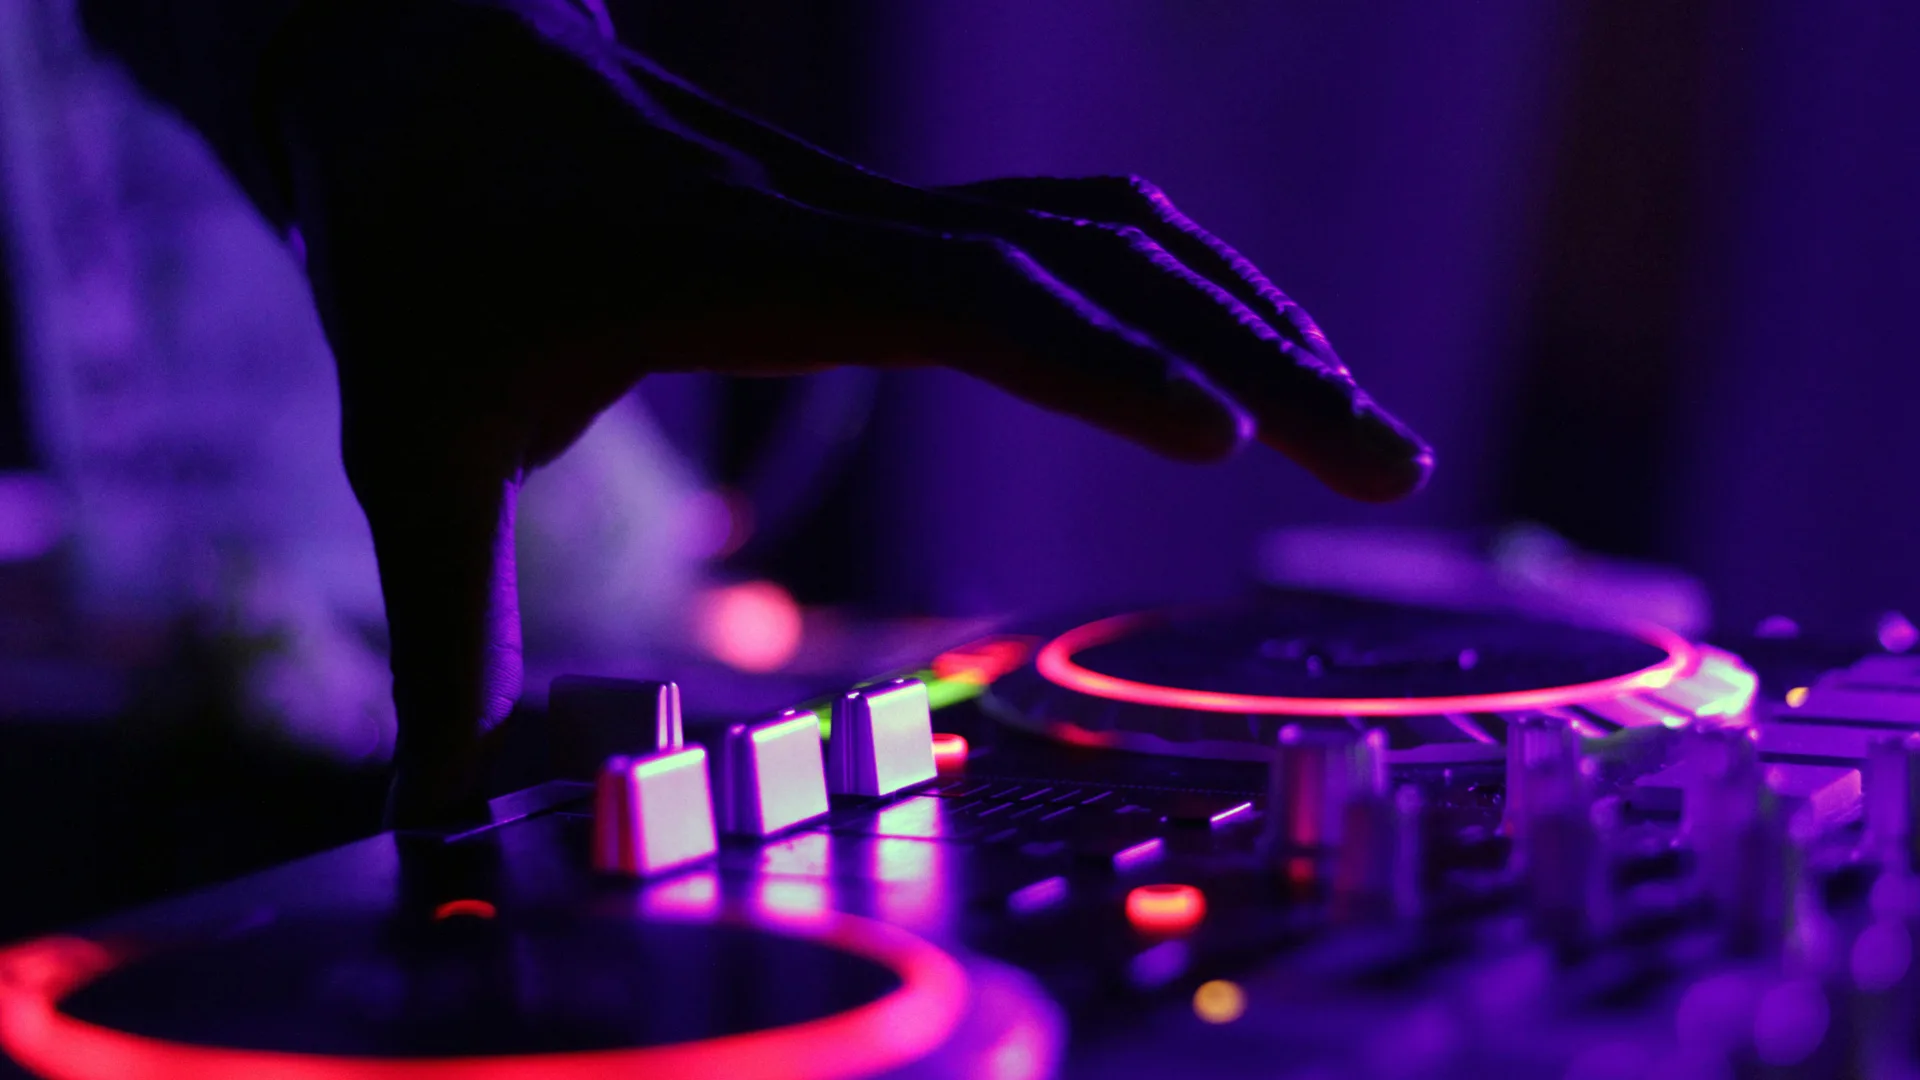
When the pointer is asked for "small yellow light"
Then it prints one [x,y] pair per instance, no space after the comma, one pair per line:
[1219,1002]
[1796,697]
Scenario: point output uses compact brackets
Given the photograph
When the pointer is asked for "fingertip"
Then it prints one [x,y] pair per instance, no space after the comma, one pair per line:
[1205,426]
[1388,481]
[1361,452]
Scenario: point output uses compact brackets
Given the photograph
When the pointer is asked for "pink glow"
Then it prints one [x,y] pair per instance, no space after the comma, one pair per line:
[886,1034]
[1055,662]
[754,626]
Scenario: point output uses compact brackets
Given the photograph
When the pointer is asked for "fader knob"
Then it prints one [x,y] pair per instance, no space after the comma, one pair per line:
[652,813]
[882,740]
[770,775]
[1313,777]
[590,719]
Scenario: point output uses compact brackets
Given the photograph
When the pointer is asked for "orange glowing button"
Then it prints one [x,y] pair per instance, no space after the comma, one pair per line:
[1166,909]
[476,909]
[949,751]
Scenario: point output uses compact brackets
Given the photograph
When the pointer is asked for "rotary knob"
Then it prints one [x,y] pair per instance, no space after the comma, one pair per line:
[1732,822]
[1890,793]
[1377,869]
[1537,744]
[1557,848]
[1313,777]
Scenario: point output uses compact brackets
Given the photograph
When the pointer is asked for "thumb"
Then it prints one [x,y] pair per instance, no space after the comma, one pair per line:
[442,522]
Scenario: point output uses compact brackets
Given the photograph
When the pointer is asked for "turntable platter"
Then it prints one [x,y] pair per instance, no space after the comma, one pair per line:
[1222,681]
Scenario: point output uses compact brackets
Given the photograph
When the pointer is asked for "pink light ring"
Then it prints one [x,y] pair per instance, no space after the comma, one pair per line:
[1056,664]
[905,1026]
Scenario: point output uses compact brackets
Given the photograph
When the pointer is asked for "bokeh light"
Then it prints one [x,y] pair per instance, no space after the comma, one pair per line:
[755,626]
[1219,1002]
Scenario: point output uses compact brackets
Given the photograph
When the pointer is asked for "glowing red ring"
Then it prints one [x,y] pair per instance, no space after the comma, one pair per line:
[1055,662]
[892,1031]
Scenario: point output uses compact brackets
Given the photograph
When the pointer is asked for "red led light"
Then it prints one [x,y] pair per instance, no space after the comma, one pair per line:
[1056,662]
[1166,909]
[474,909]
[983,661]
[880,1036]
[949,751]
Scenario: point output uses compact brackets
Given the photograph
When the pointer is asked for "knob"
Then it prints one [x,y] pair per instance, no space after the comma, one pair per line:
[1731,821]
[590,719]
[771,777]
[1890,790]
[1313,776]
[1557,849]
[1376,872]
[652,813]
[1533,741]
[882,740]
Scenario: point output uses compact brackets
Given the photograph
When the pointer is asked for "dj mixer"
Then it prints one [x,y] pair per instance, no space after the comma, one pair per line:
[1299,835]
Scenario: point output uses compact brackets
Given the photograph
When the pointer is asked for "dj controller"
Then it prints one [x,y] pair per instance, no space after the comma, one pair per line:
[1299,835]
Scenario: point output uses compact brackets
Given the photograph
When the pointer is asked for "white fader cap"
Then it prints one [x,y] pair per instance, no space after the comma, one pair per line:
[771,777]
[882,739]
[652,813]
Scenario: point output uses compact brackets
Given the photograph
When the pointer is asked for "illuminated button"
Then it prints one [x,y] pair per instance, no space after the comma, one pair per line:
[653,813]
[949,751]
[1796,697]
[882,740]
[771,777]
[471,909]
[1166,909]
[591,719]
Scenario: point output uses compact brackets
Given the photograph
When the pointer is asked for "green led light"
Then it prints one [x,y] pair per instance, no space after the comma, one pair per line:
[944,692]
[941,693]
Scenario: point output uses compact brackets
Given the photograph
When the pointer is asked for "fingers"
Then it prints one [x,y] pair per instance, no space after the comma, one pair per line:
[867,292]
[1305,405]
[1041,340]
[1133,201]
[1189,291]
